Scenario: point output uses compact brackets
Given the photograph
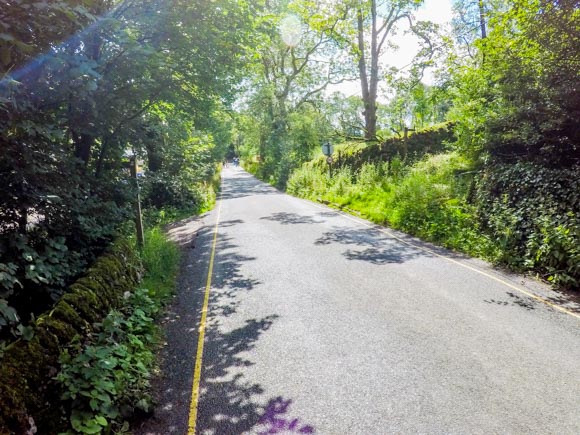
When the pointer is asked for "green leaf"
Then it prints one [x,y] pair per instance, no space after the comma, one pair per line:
[101,420]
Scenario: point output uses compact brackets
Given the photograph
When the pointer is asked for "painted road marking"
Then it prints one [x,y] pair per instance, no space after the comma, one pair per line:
[451,260]
[199,355]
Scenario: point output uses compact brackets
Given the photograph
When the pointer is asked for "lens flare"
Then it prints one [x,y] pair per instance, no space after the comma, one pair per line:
[291,30]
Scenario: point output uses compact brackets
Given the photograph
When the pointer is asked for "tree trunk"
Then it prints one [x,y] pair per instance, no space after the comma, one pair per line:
[369,85]
[482,19]
[83,143]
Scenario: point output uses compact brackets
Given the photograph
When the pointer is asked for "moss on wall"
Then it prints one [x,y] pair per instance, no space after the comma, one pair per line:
[432,140]
[28,393]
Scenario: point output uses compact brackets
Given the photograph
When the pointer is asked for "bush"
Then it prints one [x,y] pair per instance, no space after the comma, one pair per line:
[307,182]
[108,381]
[533,211]
[430,202]
[427,199]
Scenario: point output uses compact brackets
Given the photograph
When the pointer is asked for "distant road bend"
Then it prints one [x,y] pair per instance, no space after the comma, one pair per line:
[317,322]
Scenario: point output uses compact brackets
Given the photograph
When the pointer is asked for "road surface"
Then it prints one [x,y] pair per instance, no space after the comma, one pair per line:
[318,322]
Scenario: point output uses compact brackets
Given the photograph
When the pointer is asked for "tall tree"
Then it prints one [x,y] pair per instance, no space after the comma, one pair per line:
[367,33]
[296,61]
[522,103]
[472,19]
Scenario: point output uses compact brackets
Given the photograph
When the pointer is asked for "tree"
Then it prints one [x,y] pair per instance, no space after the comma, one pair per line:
[82,84]
[296,61]
[369,25]
[415,105]
[524,97]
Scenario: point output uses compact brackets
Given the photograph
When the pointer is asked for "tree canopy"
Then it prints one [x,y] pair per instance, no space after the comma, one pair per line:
[84,85]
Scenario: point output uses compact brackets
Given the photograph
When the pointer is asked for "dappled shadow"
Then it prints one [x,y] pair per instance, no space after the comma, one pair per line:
[276,419]
[569,299]
[181,324]
[172,389]
[290,218]
[229,403]
[185,232]
[240,184]
[177,225]
[225,404]
[378,248]
[391,255]
[230,223]
[349,236]
[527,303]
[228,280]
[331,214]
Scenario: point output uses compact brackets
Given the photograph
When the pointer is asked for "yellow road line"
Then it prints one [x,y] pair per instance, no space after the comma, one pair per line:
[451,260]
[199,355]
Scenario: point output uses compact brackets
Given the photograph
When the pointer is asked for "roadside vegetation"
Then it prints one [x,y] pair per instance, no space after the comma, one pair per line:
[483,158]
[106,378]
[427,199]
[86,89]
[502,185]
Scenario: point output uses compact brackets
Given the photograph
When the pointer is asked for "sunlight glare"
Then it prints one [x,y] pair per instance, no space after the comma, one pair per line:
[291,30]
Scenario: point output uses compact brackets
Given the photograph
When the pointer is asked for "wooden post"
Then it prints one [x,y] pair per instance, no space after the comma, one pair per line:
[138,217]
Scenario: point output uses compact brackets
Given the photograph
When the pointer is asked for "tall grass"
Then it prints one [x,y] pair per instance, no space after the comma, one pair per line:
[160,258]
[427,199]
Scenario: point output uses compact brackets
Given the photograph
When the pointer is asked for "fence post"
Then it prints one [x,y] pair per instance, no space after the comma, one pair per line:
[138,217]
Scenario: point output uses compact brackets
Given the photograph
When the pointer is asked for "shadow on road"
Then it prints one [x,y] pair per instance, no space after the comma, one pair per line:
[243,185]
[569,299]
[291,219]
[527,303]
[230,223]
[228,281]
[229,402]
[226,405]
[379,249]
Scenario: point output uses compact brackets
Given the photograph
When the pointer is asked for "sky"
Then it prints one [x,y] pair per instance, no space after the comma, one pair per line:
[437,11]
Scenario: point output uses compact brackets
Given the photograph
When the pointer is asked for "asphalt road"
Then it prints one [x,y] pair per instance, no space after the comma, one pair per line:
[323,323]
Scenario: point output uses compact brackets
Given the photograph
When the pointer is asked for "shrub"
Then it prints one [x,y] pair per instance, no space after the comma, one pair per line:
[108,380]
[533,211]
[427,199]
[307,182]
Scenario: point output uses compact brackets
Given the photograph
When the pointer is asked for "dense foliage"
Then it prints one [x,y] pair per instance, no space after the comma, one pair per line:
[83,86]
[517,115]
[429,198]
[510,87]
[523,101]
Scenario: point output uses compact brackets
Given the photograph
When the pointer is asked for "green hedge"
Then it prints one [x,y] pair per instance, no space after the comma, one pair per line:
[533,212]
[28,393]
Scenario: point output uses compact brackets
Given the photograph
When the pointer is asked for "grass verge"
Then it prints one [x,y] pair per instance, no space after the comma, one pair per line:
[427,199]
